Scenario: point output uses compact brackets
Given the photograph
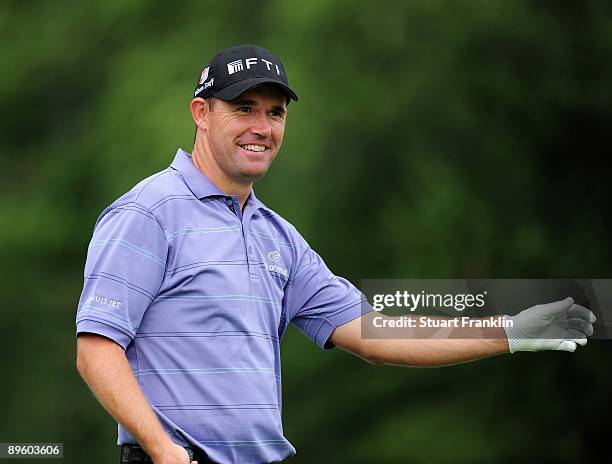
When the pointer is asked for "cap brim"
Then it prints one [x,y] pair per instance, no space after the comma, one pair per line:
[236,89]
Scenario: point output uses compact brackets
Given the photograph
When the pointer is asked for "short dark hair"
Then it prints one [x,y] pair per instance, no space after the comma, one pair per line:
[211,102]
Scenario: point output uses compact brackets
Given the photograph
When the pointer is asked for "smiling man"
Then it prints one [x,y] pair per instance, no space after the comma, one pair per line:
[239,138]
[191,281]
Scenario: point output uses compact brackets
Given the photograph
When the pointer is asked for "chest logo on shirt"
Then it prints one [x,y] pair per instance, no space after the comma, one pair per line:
[274,257]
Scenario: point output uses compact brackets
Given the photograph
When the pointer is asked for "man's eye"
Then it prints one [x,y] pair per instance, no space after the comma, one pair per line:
[244,109]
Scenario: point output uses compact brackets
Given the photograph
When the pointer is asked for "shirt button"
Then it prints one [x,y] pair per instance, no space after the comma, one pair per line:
[229,202]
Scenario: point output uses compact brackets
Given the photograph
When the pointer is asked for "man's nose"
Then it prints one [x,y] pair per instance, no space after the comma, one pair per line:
[261,124]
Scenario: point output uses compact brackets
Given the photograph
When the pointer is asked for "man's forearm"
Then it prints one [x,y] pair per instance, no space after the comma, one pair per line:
[104,366]
[435,351]
[422,346]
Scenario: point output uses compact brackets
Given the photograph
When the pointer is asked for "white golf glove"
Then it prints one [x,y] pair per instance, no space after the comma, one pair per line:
[561,326]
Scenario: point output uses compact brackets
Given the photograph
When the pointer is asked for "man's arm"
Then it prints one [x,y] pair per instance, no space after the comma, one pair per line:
[103,365]
[560,325]
[420,351]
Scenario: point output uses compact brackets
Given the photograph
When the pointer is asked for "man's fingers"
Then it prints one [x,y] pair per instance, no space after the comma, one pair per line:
[577,337]
[581,312]
[581,325]
[557,306]
[567,345]
[582,341]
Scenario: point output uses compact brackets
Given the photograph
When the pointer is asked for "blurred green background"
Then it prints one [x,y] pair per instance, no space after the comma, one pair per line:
[432,139]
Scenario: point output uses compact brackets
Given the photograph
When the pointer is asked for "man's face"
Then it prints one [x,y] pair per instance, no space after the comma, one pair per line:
[245,134]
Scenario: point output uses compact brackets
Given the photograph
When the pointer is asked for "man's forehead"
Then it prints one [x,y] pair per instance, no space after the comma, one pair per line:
[262,92]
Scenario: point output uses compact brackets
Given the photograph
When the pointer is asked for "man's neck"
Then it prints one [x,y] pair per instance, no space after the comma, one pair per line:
[217,177]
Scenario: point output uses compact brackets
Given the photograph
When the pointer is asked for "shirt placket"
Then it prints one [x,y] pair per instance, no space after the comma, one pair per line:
[245,219]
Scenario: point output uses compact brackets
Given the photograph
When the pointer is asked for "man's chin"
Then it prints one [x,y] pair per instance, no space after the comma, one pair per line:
[252,175]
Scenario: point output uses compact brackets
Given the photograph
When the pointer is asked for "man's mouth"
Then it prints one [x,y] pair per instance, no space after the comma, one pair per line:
[252,147]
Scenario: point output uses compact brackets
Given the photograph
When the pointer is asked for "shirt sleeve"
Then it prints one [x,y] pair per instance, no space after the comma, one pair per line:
[125,267]
[318,301]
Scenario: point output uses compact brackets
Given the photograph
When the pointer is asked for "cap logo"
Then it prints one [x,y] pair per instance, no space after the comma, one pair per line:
[247,67]
[237,66]
[234,66]
[204,75]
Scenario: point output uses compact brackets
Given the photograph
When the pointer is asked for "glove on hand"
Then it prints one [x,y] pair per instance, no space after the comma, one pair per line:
[561,326]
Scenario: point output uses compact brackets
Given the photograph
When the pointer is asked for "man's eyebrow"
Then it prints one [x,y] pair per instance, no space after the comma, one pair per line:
[247,102]
[243,102]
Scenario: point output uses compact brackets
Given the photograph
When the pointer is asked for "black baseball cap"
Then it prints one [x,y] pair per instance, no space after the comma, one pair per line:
[235,70]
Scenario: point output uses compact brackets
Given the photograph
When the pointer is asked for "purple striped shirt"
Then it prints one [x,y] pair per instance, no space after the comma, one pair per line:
[199,294]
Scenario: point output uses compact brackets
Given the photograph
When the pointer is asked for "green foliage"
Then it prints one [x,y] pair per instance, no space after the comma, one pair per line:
[431,139]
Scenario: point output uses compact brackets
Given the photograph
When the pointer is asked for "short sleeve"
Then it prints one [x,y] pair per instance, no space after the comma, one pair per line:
[125,267]
[318,301]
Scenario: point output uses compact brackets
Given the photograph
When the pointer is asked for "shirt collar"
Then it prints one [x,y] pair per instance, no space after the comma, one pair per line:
[199,183]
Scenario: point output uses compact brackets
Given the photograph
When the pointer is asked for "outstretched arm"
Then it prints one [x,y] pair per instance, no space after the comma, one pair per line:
[421,351]
[561,325]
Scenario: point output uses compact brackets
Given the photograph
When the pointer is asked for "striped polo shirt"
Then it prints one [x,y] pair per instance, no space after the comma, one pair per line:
[199,294]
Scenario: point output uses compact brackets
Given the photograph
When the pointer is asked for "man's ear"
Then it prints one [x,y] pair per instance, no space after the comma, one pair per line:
[199,112]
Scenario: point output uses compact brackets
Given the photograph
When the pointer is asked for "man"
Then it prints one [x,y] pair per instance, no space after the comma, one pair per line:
[191,281]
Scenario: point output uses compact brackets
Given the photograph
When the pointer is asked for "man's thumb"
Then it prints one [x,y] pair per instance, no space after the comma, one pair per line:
[557,307]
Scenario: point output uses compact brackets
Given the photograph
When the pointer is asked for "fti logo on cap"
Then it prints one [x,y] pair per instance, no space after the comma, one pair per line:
[247,67]
[234,66]
[237,66]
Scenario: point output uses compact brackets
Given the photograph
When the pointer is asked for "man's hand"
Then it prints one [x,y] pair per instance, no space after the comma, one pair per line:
[561,326]
[172,454]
